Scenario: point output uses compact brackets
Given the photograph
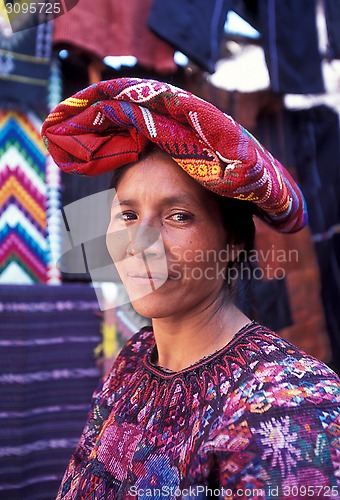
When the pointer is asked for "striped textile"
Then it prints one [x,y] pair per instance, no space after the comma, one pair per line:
[25,57]
[47,375]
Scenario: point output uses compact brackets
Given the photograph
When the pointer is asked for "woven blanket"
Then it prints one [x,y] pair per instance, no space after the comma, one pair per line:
[47,375]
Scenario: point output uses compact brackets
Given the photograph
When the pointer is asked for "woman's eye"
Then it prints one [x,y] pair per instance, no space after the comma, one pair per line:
[180,217]
[127,216]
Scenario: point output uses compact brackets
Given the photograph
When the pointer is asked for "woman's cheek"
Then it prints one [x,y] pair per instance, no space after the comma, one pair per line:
[175,272]
[117,242]
[175,254]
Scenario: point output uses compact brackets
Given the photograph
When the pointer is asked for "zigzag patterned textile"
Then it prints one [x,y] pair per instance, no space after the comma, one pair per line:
[24,250]
[108,124]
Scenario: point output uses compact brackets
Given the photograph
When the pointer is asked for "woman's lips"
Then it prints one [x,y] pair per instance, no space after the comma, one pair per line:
[147,279]
[147,275]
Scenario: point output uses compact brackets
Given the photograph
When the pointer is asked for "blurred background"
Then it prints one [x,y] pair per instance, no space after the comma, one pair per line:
[274,65]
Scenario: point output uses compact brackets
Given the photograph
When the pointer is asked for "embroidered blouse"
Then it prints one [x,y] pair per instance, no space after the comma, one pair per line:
[257,419]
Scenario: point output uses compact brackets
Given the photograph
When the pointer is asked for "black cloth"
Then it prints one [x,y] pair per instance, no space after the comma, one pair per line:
[332,14]
[290,41]
[195,27]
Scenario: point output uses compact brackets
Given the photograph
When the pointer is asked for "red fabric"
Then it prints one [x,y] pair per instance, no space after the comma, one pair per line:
[114,28]
[108,124]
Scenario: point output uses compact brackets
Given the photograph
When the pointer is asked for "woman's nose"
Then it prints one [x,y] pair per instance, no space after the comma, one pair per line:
[145,239]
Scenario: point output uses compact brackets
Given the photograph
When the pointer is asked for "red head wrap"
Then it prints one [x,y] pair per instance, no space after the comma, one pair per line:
[108,124]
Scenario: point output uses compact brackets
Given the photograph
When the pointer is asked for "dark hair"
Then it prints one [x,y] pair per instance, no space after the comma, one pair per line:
[118,172]
[240,227]
[238,221]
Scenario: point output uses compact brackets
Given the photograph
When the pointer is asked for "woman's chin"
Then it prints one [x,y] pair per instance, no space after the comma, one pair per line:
[151,307]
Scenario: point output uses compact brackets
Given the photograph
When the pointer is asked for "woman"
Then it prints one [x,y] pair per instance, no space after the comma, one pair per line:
[206,403]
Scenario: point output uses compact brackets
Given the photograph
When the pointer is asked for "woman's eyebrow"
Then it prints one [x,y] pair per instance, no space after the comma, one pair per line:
[185,199]
[116,202]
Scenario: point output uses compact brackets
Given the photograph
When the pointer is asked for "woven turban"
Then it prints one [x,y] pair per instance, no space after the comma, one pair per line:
[108,124]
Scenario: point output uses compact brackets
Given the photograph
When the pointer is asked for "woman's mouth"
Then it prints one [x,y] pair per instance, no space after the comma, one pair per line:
[155,280]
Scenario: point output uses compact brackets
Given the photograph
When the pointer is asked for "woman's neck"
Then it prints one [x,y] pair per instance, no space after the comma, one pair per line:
[184,341]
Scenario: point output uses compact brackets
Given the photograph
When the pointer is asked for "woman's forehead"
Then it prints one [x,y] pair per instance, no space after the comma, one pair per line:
[159,175]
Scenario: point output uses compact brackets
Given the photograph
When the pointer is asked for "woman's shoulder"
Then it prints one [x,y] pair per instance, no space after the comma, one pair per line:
[278,374]
[278,386]
[265,350]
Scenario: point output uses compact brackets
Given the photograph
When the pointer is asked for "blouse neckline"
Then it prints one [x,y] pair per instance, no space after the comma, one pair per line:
[167,373]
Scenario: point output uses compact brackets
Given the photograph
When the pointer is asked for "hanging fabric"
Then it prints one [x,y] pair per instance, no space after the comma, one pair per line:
[114,28]
[195,27]
[290,40]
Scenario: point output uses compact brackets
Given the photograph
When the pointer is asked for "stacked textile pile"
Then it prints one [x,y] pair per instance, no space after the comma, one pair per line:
[47,375]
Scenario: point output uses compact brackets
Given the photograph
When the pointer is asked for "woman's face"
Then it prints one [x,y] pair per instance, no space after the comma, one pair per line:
[167,239]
